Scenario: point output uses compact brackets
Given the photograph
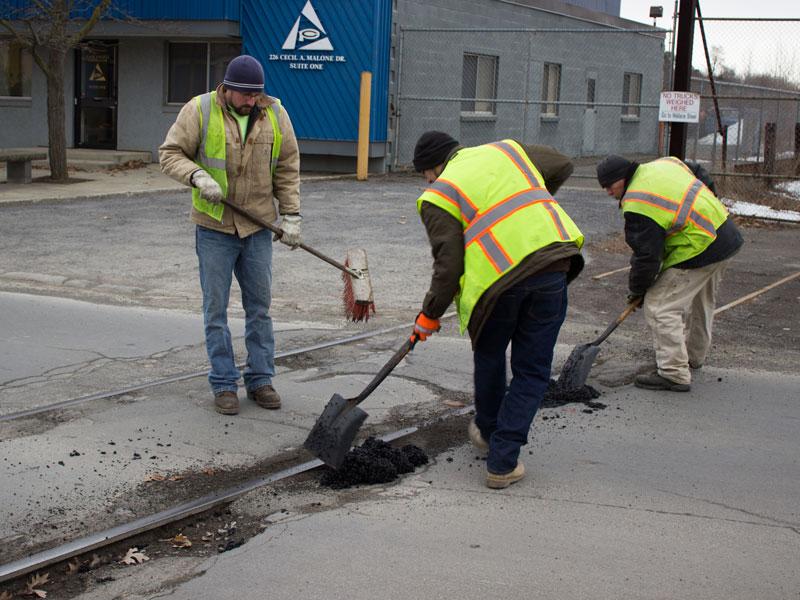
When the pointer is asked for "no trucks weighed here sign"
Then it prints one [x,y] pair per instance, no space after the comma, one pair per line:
[683,107]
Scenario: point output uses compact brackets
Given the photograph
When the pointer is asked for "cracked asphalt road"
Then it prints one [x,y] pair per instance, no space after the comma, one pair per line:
[658,495]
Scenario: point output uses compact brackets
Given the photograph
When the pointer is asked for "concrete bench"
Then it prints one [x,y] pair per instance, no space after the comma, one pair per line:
[18,162]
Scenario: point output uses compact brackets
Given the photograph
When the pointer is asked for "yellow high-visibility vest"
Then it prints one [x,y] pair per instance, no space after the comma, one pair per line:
[666,191]
[211,151]
[499,197]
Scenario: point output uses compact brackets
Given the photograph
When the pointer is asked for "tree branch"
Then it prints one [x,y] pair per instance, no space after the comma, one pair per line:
[98,12]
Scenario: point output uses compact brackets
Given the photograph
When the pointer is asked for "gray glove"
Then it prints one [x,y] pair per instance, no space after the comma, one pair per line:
[290,225]
[209,189]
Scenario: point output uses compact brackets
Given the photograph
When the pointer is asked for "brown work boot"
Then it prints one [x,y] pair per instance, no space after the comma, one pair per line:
[475,437]
[226,403]
[498,482]
[654,381]
[265,397]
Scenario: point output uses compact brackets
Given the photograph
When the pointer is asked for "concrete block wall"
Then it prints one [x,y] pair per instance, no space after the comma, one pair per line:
[432,68]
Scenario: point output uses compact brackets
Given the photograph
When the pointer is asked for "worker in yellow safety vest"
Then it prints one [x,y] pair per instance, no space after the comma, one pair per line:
[504,249]
[236,143]
[682,240]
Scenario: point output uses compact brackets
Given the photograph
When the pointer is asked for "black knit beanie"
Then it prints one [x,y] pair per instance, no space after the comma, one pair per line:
[432,149]
[612,168]
[244,74]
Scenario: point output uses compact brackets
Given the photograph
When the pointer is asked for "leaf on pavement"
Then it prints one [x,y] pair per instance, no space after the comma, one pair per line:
[134,557]
[32,587]
[179,541]
[5,596]
[73,566]
[160,477]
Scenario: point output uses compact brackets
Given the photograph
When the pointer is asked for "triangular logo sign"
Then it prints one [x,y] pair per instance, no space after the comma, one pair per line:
[307,32]
[97,74]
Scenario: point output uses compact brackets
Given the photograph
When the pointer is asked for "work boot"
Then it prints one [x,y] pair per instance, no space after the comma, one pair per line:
[476,438]
[654,381]
[498,482]
[226,403]
[265,397]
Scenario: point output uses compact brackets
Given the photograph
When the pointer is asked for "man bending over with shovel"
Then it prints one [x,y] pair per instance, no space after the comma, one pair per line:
[682,241]
[505,250]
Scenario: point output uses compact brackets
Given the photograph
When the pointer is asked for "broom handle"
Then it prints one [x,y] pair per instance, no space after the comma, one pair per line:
[279,232]
[631,307]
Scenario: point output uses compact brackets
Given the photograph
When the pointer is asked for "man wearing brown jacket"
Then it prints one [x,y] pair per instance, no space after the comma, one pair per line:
[504,250]
[237,144]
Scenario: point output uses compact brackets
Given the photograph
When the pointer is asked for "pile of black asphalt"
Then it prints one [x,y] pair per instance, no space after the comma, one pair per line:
[374,461]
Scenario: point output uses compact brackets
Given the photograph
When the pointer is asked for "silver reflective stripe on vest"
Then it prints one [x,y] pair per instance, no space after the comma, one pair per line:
[674,207]
[518,161]
[657,201]
[449,191]
[703,223]
[502,210]
[557,220]
[686,207]
[205,112]
[492,249]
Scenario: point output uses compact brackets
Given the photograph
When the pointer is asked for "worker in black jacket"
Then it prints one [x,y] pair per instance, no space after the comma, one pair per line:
[682,240]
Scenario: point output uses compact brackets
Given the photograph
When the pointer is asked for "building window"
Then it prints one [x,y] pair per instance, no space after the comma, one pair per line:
[551,89]
[479,82]
[631,94]
[16,64]
[197,67]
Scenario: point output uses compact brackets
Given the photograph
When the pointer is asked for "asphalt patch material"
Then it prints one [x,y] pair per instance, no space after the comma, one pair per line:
[374,461]
[559,395]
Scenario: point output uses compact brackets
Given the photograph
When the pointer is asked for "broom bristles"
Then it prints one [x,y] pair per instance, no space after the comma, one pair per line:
[357,306]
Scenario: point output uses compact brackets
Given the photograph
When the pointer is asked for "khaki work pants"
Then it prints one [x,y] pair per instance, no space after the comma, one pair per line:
[679,309]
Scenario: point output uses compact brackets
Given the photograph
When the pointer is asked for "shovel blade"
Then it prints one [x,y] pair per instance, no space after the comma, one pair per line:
[333,433]
[576,370]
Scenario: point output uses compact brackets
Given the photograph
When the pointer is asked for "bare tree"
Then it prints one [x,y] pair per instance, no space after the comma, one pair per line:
[49,29]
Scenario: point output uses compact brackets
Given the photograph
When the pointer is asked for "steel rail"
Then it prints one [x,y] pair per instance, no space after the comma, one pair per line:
[82,545]
[175,378]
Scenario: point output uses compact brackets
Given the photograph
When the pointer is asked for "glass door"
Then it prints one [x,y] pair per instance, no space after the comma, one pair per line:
[96,95]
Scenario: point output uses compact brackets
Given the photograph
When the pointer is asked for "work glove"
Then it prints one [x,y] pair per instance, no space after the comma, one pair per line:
[290,225]
[424,326]
[209,189]
[635,299]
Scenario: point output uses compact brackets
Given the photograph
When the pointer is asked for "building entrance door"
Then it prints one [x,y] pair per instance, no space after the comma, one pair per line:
[96,95]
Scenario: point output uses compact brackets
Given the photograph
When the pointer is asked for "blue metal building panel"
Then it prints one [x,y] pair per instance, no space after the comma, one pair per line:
[313,52]
[196,10]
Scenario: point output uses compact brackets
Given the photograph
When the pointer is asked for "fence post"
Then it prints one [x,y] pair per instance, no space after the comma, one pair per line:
[362,154]
[797,141]
[770,135]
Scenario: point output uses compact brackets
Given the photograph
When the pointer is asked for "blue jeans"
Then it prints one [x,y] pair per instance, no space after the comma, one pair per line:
[222,255]
[529,316]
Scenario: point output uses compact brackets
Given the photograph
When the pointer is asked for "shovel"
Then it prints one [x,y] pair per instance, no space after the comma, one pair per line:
[336,428]
[576,370]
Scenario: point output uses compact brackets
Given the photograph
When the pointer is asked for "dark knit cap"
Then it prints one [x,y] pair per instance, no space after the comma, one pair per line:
[432,149]
[612,168]
[244,74]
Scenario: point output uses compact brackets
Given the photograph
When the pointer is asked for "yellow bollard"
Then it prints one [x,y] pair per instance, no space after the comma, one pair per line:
[362,155]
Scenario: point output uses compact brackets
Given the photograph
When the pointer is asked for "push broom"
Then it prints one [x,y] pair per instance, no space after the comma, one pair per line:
[357,294]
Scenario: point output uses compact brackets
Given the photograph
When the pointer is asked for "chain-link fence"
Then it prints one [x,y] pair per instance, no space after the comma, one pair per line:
[595,90]
[587,92]
[751,99]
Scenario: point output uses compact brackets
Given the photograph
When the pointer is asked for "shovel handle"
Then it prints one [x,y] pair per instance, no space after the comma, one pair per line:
[279,232]
[385,370]
[625,313]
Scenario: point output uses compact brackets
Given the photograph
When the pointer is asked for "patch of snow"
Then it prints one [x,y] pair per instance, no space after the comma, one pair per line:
[748,209]
[792,188]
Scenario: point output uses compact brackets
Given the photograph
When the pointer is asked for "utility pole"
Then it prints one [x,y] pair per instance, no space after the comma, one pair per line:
[682,80]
